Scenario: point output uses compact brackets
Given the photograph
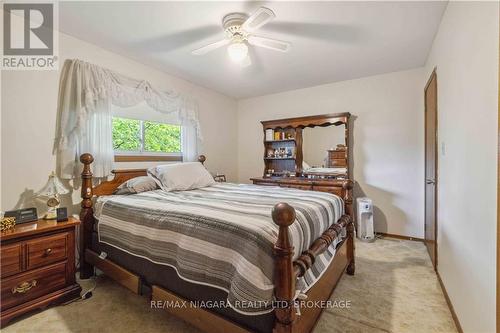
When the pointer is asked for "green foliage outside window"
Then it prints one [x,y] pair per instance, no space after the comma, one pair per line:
[162,137]
[154,137]
[126,134]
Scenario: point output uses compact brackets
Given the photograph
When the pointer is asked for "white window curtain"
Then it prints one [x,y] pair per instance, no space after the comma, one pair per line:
[189,144]
[86,94]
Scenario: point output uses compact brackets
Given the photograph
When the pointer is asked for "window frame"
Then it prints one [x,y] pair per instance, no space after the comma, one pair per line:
[144,156]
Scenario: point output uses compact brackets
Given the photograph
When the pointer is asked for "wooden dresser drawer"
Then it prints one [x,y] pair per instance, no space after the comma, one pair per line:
[329,189]
[265,183]
[30,285]
[337,154]
[338,163]
[298,187]
[11,259]
[46,250]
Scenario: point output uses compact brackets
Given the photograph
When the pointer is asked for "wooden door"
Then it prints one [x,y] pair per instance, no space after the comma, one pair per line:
[431,167]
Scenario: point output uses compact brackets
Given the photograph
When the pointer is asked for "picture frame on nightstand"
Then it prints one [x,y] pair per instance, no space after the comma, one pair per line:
[61,214]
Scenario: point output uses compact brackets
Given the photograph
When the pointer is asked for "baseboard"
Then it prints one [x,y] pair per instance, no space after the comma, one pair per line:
[450,305]
[401,237]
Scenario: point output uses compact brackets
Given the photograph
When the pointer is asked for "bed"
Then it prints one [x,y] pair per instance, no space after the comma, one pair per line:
[255,249]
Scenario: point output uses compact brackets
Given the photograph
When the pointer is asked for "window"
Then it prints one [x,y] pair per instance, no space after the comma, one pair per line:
[141,140]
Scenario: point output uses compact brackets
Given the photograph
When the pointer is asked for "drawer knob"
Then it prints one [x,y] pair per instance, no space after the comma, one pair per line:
[47,252]
[24,287]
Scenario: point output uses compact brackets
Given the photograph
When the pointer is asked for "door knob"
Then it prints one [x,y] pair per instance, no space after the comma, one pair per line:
[430,181]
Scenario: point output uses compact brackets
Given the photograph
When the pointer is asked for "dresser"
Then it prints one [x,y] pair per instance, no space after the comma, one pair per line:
[296,157]
[37,266]
[334,186]
[338,157]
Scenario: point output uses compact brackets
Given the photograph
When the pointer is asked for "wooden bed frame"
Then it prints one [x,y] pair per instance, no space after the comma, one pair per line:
[287,270]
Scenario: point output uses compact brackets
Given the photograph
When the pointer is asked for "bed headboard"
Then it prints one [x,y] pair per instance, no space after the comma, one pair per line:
[109,186]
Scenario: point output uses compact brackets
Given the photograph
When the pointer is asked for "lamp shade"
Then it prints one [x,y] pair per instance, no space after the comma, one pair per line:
[238,51]
[53,187]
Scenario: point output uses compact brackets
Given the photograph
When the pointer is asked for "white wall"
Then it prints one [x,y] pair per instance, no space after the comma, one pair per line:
[388,139]
[465,53]
[29,101]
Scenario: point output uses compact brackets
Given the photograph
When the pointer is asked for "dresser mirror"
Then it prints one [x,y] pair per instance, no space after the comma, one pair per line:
[317,142]
[311,147]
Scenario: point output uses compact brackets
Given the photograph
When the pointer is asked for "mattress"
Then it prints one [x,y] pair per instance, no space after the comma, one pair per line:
[220,236]
[166,277]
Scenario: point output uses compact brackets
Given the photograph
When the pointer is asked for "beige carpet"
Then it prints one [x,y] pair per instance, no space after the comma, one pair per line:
[394,290]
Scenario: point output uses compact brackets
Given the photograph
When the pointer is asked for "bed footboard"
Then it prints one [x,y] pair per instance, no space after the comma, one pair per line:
[287,270]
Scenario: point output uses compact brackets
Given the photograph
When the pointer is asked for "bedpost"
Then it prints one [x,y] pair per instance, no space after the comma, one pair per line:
[284,277]
[86,216]
[347,186]
[348,201]
[202,159]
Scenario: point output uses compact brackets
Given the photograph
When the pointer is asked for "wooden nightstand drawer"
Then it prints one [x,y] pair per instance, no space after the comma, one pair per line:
[11,259]
[27,286]
[46,250]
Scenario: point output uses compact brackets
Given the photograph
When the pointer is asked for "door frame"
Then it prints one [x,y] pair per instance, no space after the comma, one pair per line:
[436,159]
[498,206]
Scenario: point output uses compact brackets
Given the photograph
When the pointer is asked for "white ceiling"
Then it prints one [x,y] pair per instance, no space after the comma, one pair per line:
[331,41]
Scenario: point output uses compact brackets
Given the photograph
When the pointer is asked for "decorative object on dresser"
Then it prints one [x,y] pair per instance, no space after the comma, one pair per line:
[62,214]
[23,215]
[7,223]
[52,190]
[220,178]
[37,266]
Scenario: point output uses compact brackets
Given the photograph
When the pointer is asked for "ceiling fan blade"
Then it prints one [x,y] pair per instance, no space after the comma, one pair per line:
[329,32]
[178,40]
[269,43]
[210,47]
[261,16]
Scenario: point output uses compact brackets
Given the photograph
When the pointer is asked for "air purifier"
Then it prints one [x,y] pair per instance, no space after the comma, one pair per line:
[365,219]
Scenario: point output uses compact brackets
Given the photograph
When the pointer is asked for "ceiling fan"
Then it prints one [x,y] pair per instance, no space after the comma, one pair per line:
[240,30]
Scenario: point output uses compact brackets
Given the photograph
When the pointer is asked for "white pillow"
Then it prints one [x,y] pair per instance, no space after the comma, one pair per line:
[137,185]
[181,176]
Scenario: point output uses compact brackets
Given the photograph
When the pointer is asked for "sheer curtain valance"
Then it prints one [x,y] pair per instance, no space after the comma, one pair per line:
[86,93]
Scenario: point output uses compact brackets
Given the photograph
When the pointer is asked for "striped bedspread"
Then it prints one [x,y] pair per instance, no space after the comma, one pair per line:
[221,236]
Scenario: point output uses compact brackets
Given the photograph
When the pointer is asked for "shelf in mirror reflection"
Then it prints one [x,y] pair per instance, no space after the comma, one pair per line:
[275,141]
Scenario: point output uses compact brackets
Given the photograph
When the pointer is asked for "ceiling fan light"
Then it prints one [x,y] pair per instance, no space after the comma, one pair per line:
[237,51]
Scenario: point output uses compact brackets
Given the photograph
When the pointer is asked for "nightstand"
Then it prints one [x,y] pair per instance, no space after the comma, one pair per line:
[37,266]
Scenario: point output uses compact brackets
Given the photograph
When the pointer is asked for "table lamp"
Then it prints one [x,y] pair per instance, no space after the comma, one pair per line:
[52,190]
